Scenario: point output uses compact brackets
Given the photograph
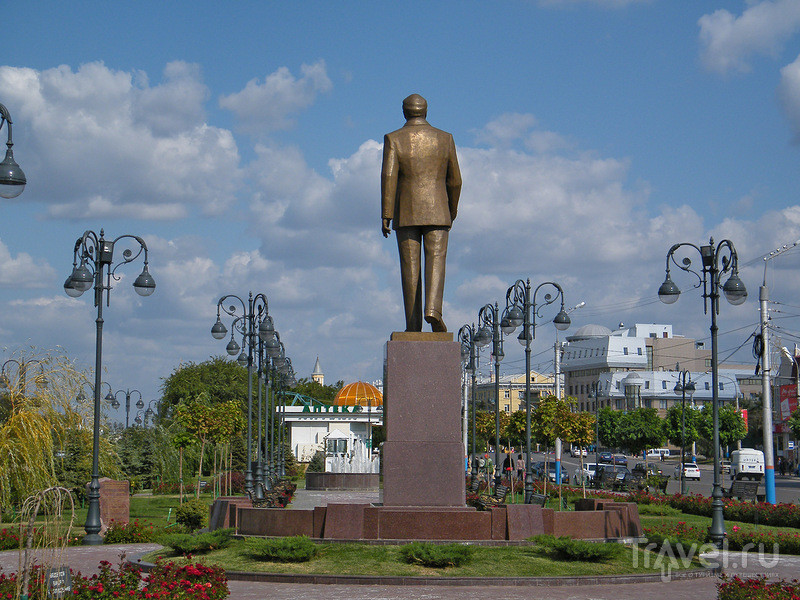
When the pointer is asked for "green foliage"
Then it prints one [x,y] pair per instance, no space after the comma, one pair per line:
[133,532]
[73,462]
[324,393]
[317,464]
[608,426]
[436,555]
[672,424]
[291,466]
[794,424]
[289,549]
[219,379]
[192,514]
[566,548]
[731,424]
[547,420]
[187,543]
[639,429]
[485,426]
[514,431]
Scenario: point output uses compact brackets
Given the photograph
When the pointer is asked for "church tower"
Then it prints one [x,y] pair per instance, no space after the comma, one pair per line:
[317,374]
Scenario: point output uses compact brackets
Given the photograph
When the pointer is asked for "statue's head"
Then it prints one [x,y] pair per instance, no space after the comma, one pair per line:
[415,106]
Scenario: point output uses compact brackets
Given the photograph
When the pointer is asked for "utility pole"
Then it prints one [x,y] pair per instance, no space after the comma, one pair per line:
[766,389]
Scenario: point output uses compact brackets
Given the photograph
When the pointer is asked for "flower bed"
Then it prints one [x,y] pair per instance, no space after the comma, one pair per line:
[166,580]
[757,589]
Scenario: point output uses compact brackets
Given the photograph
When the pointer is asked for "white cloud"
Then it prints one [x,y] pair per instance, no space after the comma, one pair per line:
[789,94]
[99,141]
[23,271]
[263,107]
[763,28]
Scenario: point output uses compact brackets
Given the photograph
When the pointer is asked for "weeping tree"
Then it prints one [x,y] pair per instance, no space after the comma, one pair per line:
[41,418]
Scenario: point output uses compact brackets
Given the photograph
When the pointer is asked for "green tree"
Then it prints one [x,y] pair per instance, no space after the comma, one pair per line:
[794,424]
[640,429]
[731,425]
[199,420]
[514,430]
[608,419]
[581,434]
[217,379]
[548,422]
[485,425]
[672,425]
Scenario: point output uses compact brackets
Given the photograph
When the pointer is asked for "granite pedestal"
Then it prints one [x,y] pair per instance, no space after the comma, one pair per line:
[423,455]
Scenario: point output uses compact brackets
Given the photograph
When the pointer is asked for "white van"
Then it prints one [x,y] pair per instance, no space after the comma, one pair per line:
[747,463]
[658,453]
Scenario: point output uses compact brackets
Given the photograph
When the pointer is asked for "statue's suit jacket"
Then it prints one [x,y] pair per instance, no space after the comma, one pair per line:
[420,178]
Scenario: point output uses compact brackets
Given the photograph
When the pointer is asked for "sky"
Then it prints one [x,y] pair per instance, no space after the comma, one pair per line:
[242,141]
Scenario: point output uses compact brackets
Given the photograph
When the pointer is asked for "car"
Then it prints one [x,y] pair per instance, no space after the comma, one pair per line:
[610,475]
[645,469]
[587,473]
[576,452]
[690,471]
[621,459]
[605,457]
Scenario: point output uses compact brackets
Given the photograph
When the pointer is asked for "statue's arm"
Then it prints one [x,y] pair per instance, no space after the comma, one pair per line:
[388,185]
[453,181]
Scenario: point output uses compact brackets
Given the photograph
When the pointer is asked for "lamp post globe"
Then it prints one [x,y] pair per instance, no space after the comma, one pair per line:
[12,178]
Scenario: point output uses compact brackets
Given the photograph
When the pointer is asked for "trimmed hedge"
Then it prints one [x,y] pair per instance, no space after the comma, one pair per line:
[435,555]
[288,549]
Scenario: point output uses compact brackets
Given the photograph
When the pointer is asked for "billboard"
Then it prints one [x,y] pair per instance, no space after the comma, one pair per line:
[788,400]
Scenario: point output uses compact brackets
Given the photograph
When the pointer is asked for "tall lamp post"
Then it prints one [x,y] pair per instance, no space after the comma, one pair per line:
[22,373]
[115,404]
[684,386]
[716,261]
[521,310]
[466,335]
[150,413]
[489,331]
[12,179]
[93,259]
[254,321]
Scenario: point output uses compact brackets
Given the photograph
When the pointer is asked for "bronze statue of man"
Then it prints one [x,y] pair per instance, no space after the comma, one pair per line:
[420,186]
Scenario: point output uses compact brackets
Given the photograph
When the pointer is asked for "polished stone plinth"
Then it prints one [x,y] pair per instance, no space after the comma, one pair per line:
[423,455]
[342,481]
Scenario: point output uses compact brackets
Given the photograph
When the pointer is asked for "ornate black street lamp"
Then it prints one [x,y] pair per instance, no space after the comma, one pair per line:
[93,257]
[115,404]
[489,331]
[12,179]
[254,321]
[716,261]
[150,413]
[521,310]
[466,335]
[22,373]
[683,386]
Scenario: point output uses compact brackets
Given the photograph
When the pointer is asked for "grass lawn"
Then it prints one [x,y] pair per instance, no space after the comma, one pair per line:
[365,559]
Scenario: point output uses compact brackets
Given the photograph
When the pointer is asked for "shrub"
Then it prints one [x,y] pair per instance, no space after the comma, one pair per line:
[436,555]
[128,533]
[290,549]
[568,549]
[196,581]
[186,543]
[192,514]
[9,539]
[756,589]
[317,464]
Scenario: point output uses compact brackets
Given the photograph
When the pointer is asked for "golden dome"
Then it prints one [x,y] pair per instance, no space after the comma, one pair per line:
[359,394]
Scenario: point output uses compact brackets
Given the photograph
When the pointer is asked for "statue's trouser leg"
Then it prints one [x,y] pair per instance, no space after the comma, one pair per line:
[409,242]
[435,241]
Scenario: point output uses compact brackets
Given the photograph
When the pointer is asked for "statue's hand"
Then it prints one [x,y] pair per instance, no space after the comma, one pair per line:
[386,228]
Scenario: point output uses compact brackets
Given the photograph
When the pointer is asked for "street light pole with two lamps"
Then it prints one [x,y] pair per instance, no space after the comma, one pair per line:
[93,258]
[715,261]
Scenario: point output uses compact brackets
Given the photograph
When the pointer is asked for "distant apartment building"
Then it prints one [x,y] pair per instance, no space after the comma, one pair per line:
[512,391]
[638,366]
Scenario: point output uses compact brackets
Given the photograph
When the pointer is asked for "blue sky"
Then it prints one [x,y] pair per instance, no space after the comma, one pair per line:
[242,141]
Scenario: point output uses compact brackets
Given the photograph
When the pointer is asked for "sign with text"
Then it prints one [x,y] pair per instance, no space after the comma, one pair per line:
[788,400]
[59,582]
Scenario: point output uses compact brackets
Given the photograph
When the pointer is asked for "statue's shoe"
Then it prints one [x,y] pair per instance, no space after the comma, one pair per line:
[436,323]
